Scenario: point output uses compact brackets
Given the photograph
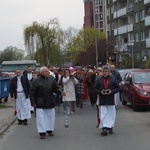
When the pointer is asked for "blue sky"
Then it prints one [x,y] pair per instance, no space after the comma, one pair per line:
[16,14]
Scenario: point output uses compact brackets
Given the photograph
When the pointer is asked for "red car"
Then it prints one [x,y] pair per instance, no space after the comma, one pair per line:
[135,88]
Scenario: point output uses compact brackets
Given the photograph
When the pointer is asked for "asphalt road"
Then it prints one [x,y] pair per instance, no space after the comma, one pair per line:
[132,132]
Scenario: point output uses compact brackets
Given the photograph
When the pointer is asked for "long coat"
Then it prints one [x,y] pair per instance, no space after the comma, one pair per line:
[69,88]
[112,85]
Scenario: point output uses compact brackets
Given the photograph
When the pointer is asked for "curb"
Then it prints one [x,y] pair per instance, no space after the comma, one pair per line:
[7,125]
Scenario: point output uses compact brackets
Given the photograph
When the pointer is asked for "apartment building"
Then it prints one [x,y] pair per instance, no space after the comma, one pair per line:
[99,7]
[128,24]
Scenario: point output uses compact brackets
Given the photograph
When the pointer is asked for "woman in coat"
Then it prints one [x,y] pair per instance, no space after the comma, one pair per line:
[69,97]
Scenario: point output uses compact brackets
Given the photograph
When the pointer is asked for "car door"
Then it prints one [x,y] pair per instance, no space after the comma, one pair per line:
[124,87]
[127,87]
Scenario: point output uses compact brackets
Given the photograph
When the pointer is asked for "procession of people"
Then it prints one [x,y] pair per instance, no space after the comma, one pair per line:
[39,91]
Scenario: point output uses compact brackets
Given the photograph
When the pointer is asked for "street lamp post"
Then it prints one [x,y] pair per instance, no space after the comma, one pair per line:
[132,56]
[95,33]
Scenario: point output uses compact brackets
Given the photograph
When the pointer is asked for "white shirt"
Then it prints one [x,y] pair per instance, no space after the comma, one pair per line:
[29,76]
[19,85]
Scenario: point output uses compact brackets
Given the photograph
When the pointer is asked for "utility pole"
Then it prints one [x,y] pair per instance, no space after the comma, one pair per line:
[95,33]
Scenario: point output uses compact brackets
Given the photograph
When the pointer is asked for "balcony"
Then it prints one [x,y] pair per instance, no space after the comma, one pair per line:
[147,20]
[148,42]
[124,29]
[146,1]
[120,13]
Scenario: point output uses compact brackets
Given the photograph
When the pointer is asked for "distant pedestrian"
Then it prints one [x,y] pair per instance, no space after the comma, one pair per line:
[42,96]
[28,73]
[98,75]
[106,86]
[19,91]
[90,80]
[69,98]
[79,87]
[117,76]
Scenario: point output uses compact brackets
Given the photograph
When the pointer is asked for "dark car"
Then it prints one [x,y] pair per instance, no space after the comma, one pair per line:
[135,88]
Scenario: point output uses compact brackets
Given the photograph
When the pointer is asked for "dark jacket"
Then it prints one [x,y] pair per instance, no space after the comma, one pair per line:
[25,85]
[117,76]
[42,92]
[112,85]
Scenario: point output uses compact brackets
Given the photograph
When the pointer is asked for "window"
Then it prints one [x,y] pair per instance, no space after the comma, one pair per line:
[142,35]
[137,36]
[142,15]
[131,36]
[136,17]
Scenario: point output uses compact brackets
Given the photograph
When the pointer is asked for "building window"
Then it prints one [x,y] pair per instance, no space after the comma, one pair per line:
[136,17]
[131,37]
[142,35]
[137,36]
[142,15]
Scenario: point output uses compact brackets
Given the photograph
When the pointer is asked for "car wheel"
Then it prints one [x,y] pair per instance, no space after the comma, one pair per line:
[122,99]
[135,107]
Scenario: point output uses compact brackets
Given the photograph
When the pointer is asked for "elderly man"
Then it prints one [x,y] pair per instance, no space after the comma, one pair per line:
[41,95]
[19,90]
[106,86]
[117,76]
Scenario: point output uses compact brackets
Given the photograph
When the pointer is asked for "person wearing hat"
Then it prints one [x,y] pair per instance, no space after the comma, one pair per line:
[106,86]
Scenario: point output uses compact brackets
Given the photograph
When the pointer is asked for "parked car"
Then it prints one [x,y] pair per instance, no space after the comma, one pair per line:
[124,71]
[135,88]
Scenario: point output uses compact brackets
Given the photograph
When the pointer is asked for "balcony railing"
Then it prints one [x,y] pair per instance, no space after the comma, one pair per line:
[147,20]
[148,42]
[120,13]
[123,29]
[146,1]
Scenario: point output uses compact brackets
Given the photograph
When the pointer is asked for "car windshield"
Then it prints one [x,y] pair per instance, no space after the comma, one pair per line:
[143,77]
[123,72]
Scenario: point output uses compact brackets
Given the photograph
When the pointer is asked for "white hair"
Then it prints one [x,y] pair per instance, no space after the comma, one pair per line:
[42,68]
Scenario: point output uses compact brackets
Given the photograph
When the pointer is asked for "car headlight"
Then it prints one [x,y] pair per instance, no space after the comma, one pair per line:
[143,93]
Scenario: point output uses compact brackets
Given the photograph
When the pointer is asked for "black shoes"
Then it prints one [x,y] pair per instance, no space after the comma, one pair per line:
[105,131]
[24,122]
[19,123]
[50,133]
[111,131]
[42,137]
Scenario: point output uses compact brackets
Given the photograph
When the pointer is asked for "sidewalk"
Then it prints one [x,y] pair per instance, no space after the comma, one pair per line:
[6,115]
